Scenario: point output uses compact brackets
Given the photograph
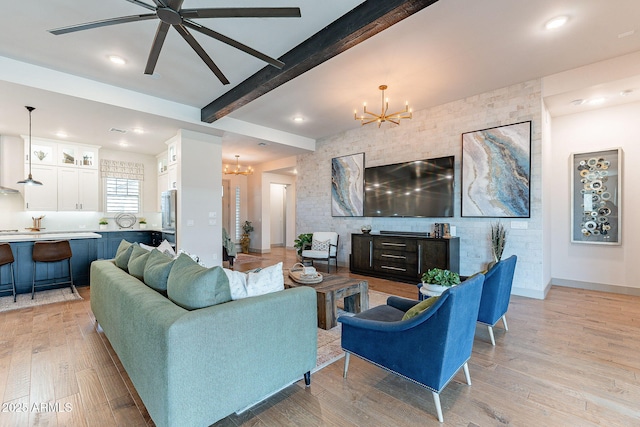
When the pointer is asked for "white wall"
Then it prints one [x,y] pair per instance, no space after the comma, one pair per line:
[435,132]
[585,265]
[199,214]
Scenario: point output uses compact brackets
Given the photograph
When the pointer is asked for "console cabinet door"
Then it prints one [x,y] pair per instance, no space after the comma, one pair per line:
[361,252]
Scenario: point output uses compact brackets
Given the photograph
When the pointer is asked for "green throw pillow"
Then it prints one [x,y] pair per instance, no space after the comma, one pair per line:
[123,253]
[192,286]
[137,263]
[156,270]
[419,308]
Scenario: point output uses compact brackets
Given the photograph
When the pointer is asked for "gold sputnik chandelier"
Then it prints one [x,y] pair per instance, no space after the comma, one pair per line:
[237,170]
[369,117]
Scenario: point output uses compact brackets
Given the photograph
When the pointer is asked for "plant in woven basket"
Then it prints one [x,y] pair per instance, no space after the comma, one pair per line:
[498,240]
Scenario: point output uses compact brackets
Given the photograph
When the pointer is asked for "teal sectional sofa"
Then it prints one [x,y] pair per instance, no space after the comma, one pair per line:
[193,368]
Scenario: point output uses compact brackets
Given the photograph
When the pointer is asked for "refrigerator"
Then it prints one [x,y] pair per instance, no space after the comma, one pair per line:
[169,204]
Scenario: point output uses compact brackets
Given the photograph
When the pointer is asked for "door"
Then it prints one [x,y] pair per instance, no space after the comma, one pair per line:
[278,216]
[226,207]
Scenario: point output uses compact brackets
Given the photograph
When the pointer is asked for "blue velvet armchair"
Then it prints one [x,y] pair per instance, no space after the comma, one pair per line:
[496,294]
[428,349]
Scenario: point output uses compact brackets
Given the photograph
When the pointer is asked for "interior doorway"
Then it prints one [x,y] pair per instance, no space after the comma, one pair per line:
[278,207]
[226,207]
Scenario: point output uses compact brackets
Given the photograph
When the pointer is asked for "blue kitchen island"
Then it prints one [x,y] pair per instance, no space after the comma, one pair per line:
[85,246]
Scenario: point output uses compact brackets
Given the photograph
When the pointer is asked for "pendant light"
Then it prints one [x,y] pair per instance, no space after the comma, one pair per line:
[30,180]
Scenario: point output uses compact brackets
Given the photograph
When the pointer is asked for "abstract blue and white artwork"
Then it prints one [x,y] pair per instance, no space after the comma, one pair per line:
[347,185]
[496,171]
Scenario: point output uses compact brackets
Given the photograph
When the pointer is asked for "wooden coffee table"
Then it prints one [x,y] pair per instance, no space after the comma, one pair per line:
[333,288]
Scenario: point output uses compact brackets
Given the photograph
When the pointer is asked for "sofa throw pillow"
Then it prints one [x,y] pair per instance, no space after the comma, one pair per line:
[268,279]
[317,245]
[419,308]
[137,264]
[192,286]
[237,283]
[156,270]
[123,253]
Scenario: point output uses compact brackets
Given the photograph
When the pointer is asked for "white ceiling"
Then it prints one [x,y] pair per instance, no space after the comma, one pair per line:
[450,50]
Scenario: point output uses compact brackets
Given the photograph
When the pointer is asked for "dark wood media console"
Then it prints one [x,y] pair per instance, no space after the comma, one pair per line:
[403,257]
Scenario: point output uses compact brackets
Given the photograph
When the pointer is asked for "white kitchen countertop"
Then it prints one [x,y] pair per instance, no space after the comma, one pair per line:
[29,237]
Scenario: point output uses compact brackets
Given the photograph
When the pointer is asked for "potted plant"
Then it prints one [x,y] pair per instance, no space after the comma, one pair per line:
[103,222]
[302,242]
[439,280]
[246,240]
[498,241]
[143,222]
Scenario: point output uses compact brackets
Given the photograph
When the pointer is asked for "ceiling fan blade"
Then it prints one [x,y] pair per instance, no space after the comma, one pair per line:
[201,53]
[103,23]
[156,47]
[224,39]
[242,12]
[146,6]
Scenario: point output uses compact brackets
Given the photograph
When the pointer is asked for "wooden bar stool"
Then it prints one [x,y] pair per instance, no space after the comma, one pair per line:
[6,257]
[51,251]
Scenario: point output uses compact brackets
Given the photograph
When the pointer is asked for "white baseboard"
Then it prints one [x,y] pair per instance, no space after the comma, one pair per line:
[615,289]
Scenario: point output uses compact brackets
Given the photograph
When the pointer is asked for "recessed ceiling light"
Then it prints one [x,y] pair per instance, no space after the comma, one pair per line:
[556,22]
[579,101]
[626,92]
[61,134]
[262,144]
[118,60]
[596,101]
[626,34]
[117,130]
[298,119]
[139,131]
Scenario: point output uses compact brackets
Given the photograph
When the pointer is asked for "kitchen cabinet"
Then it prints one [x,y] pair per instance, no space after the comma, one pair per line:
[163,178]
[172,153]
[42,197]
[78,189]
[69,173]
[172,175]
[42,152]
[74,155]
[108,245]
[402,257]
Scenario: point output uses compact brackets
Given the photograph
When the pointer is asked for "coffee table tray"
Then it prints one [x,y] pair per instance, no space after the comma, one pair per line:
[298,277]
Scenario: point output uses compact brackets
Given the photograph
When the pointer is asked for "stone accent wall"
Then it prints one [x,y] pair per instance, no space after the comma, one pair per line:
[434,132]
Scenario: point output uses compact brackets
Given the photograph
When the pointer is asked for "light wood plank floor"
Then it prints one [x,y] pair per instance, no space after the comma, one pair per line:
[571,360]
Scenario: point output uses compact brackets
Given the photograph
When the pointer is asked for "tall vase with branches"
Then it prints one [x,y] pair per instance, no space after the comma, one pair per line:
[498,241]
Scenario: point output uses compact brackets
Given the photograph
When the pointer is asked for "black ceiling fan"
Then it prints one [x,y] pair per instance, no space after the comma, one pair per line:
[170,13]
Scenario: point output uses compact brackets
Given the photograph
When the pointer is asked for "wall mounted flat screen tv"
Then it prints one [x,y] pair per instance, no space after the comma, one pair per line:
[420,188]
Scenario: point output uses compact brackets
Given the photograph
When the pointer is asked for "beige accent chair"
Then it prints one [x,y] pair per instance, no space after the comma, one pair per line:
[324,246]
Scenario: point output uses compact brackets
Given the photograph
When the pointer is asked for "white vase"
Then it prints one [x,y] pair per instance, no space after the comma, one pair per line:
[142,226]
[103,226]
[435,288]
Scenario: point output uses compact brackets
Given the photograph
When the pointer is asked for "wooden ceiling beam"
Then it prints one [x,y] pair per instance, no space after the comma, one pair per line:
[364,21]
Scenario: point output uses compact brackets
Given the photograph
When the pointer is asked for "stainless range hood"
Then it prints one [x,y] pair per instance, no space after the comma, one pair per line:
[4,167]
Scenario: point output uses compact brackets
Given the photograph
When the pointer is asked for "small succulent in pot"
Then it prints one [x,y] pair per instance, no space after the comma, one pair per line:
[366,229]
[142,220]
[103,221]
